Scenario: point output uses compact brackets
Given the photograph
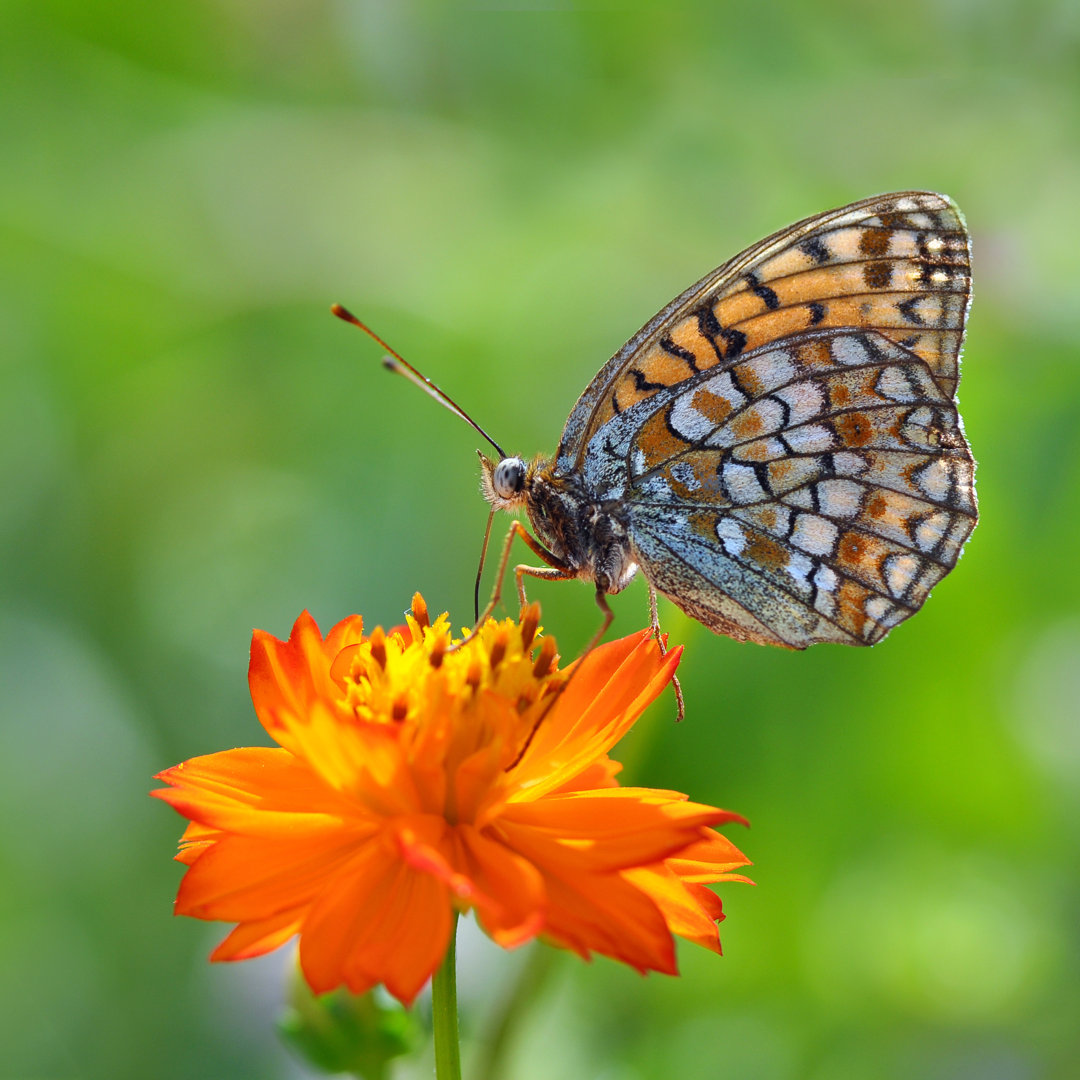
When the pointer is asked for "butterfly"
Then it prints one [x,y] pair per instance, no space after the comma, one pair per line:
[778,450]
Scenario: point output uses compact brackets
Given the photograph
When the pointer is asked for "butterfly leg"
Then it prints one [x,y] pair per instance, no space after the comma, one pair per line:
[654,624]
[544,573]
[558,572]
[609,615]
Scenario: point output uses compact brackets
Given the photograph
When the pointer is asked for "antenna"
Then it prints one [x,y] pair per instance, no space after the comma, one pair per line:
[480,568]
[396,362]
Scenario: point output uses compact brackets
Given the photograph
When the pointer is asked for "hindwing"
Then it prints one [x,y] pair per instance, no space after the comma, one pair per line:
[813,490]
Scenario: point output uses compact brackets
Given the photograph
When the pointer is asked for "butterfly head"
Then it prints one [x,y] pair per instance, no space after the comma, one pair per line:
[504,482]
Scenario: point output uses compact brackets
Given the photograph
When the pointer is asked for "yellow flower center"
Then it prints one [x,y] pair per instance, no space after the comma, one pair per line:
[447,698]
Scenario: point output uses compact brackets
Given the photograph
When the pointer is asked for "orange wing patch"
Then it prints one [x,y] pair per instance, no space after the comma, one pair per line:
[712,406]
[657,441]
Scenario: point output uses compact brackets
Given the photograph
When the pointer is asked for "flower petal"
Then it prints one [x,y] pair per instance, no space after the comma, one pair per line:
[509,894]
[607,914]
[586,721]
[406,944]
[711,857]
[304,710]
[197,838]
[421,841]
[504,888]
[256,791]
[606,829]
[286,676]
[600,774]
[690,911]
[382,921]
[260,936]
[242,878]
[600,667]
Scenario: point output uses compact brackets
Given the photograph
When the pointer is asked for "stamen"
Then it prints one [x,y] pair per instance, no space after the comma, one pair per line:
[400,709]
[529,623]
[438,651]
[475,674]
[378,647]
[420,611]
[498,649]
[546,660]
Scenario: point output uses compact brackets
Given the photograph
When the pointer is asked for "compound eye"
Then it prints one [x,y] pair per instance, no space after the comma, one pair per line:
[509,478]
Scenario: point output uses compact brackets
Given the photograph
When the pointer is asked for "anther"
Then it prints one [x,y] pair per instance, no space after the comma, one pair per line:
[378,647]
[420,611]
[438,651]
[498,650]
[545,662]
[529,623]
[400,709]
[475,673]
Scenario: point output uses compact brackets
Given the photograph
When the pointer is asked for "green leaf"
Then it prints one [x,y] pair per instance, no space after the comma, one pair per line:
[341,1032]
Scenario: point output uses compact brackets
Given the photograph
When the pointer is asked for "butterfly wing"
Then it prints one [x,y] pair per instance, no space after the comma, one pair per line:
[897,263]
[814,490]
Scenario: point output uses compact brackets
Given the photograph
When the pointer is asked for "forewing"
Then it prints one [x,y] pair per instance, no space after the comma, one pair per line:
[897,263]
[811,491]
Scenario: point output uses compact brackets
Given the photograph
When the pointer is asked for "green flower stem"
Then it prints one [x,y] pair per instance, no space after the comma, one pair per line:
[444,1013]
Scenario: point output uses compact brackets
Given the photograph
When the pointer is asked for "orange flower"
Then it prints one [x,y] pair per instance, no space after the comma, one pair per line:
[414,776]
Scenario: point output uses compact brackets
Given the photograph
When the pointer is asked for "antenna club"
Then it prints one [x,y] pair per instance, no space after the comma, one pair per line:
[343,313]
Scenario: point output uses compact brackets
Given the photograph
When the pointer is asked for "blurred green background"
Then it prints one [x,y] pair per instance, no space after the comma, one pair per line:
[190,446]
